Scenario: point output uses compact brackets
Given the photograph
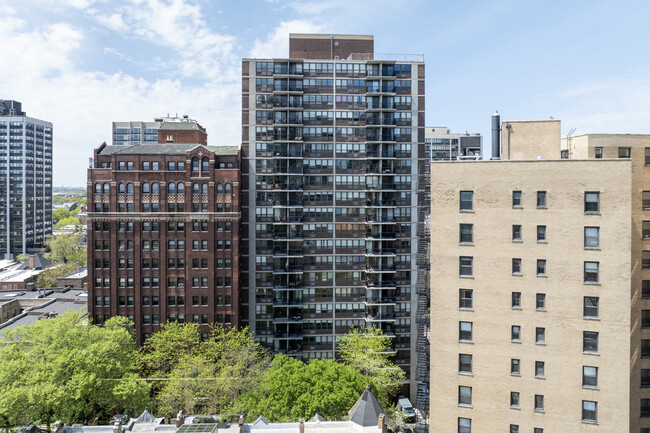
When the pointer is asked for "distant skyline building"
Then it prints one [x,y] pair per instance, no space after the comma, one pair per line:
[25,180]
[440,144]
[181,130]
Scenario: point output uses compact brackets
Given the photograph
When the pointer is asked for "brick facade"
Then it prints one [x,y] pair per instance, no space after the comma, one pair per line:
[158,252]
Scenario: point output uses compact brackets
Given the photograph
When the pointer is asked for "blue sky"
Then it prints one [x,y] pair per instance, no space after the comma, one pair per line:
[84,63]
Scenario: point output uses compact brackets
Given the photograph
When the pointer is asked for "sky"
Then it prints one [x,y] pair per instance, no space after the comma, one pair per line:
[83,64]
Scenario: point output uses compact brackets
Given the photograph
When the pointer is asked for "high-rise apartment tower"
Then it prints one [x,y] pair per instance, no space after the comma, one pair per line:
[25,180]
[333,141]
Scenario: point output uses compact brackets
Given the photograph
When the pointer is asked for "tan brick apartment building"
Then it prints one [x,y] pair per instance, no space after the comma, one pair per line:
[163,235]
[537,286]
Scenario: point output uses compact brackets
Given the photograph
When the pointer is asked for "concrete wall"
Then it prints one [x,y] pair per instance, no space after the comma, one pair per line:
[492,315]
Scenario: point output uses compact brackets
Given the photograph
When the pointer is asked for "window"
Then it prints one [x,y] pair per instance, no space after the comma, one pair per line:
[515,333]
[538,430]
[589,411]
[645,408]
[465,298]
[540,335]
[645,319]
[541,233]
[465,331]
[540,302]
[465,363]
[541,267]
[516,198]
[541,199]
[590,342]
[598,152]
[645,289]
[645,203]
[645,348]
[647,156]
[539,369]
[590,376]
[516,266]
[514,428]
[466,233]
[464,425]
[645,378]
[539,403]
[591,272]
[592,237]
[591,307]
[465,395]
[624,152]
[514,367]
[646,230]
[466,201]
[516,232]
[466,266]
[645,260]
[516,300]
[592,202]
[514,399]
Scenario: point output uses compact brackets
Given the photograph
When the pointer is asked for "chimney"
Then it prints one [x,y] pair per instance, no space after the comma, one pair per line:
[180,419]
[381,424]
[240,424]
[301,427]
[496,136]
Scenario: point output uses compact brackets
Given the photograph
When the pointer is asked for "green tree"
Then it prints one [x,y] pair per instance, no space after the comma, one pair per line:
[65,368]
[289,390]
[67,221]
[47,278]
[369,350]
[201,376]
[66,248]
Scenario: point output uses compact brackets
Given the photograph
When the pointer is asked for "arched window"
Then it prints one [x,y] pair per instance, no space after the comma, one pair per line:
[204,188]
[195,188]
[171,188]
[228,189]
[205,164]
[155,189]
[106,188]
[129,188]
[98,188]
[145,188]
[180,187]
[219,188]
[120,188]
[195,164]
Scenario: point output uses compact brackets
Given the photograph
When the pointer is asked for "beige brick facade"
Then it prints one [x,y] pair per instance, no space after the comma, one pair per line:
[561,315]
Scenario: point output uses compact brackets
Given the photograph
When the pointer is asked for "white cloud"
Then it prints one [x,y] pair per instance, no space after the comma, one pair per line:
[81,104]
[38,52]
[180,26]
[276,43]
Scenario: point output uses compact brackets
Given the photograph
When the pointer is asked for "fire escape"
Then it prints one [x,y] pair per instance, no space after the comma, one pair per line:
[423,319]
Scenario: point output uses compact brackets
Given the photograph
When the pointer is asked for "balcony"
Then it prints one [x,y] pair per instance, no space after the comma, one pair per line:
[377,301]
[387,317]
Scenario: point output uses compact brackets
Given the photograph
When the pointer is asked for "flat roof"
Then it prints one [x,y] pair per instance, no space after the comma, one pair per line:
[330,35]
[164,149]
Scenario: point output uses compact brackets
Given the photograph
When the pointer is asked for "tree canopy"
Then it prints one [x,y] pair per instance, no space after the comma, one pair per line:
[369,350]
[66,248]
[47,278]
[202,377]
[64,368]
[290,389]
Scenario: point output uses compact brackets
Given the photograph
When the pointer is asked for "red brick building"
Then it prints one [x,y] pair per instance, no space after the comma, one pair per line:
[163,235]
